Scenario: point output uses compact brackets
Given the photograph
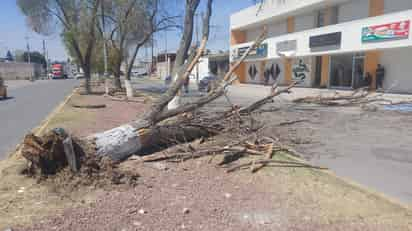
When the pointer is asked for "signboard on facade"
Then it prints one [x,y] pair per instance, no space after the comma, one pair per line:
[324,40]
[390,31]
[260,52]
[289,45]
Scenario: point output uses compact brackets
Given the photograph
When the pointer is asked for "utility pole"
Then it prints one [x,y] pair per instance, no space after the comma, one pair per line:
[197,44]
[167,56]
[45,57]
[152,53]
[28,58]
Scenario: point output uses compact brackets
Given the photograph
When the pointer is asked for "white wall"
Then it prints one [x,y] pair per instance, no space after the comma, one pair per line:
[305,22]
[397,5]
[275,10]
[258,78]
[202,67]
[277,29]
[353,10]
[252,34]
[273,31]
[351,37]
[397,63]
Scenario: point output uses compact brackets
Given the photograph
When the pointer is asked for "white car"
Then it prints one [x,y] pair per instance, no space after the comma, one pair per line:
[79,76]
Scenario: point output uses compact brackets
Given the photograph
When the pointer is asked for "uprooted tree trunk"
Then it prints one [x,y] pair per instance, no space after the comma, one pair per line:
[149,133]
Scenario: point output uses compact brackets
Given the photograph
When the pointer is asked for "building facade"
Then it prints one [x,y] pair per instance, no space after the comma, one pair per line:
[326,43]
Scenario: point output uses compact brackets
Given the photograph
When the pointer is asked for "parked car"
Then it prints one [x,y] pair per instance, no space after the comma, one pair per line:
[79,76]
[207,83]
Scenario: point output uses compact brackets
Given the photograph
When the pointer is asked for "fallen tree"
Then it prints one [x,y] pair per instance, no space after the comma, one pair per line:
[159,128]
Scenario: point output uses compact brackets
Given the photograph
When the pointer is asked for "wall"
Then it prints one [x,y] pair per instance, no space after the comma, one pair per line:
[275,10]
[203,67]
[12,70]
[351,37]
[397,5]
[353,10]
[303,68]
[305,22]
[397,63]
[254,73]
[161,69]
[277,29]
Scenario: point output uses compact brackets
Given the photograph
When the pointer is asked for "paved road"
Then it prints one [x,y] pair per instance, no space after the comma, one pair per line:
[372,149]
[28,105]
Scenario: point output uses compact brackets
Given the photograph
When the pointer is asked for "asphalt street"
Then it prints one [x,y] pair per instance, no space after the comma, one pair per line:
[28,104]
[372,150]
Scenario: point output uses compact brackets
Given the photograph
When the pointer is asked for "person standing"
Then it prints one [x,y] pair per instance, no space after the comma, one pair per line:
[380,75]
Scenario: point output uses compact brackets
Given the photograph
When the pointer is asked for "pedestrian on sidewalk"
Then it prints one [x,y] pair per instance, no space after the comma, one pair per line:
[380,75]
[186,84]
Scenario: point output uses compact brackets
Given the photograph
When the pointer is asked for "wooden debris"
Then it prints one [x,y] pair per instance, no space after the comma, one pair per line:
[89,106]
[71,156]
[280,162]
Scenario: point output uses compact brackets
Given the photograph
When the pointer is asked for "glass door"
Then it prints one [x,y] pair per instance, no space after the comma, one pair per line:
[341,71]
[358,70]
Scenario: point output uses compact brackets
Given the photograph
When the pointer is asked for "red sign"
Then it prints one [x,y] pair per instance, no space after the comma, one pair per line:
[396,30]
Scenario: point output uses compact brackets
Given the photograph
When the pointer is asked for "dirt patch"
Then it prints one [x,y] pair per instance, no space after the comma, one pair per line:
[191,195]
[197,195]
[83,122]
[26,198]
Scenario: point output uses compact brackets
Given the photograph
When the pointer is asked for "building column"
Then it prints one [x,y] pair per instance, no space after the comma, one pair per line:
[372,58]
[325,73]
[237,37]
[262,70]
[288,62]
[288,70]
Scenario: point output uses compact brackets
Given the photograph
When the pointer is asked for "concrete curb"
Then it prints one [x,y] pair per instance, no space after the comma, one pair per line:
[43,124]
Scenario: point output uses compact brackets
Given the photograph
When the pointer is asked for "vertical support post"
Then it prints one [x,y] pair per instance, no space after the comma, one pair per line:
[324,79]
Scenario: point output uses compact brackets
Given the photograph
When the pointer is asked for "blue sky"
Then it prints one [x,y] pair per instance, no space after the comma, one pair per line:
[13,30]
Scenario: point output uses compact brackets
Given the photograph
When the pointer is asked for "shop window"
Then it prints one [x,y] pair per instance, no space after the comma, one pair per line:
[346,71]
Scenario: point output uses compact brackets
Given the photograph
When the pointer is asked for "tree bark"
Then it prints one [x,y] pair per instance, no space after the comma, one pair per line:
[87,76]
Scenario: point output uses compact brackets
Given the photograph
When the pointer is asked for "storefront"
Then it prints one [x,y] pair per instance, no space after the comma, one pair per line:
[334,47]
[347,71]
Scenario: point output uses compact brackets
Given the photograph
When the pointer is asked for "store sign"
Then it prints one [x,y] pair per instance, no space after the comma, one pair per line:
[260,52]
[390,31]
[289,45]
[332,39]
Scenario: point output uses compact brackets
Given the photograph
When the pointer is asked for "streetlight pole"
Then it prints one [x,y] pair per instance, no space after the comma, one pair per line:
[45,57]
[28,58]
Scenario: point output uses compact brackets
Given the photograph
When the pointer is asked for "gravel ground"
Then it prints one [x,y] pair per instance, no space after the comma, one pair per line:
[197,195]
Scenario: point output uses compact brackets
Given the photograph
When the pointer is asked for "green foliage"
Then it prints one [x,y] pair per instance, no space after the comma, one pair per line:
[35,57]
[9,56]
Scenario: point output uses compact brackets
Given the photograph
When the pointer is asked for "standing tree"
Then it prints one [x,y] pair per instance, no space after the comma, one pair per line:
[132,24]
[9,57]
[35,57]
[77,22]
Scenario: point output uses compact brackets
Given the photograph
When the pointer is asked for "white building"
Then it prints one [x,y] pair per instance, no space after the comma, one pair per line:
[211,64]
[327,43]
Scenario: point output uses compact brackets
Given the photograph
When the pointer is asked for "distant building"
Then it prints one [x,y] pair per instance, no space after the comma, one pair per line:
[211,64]
[164,64]
[326,43]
